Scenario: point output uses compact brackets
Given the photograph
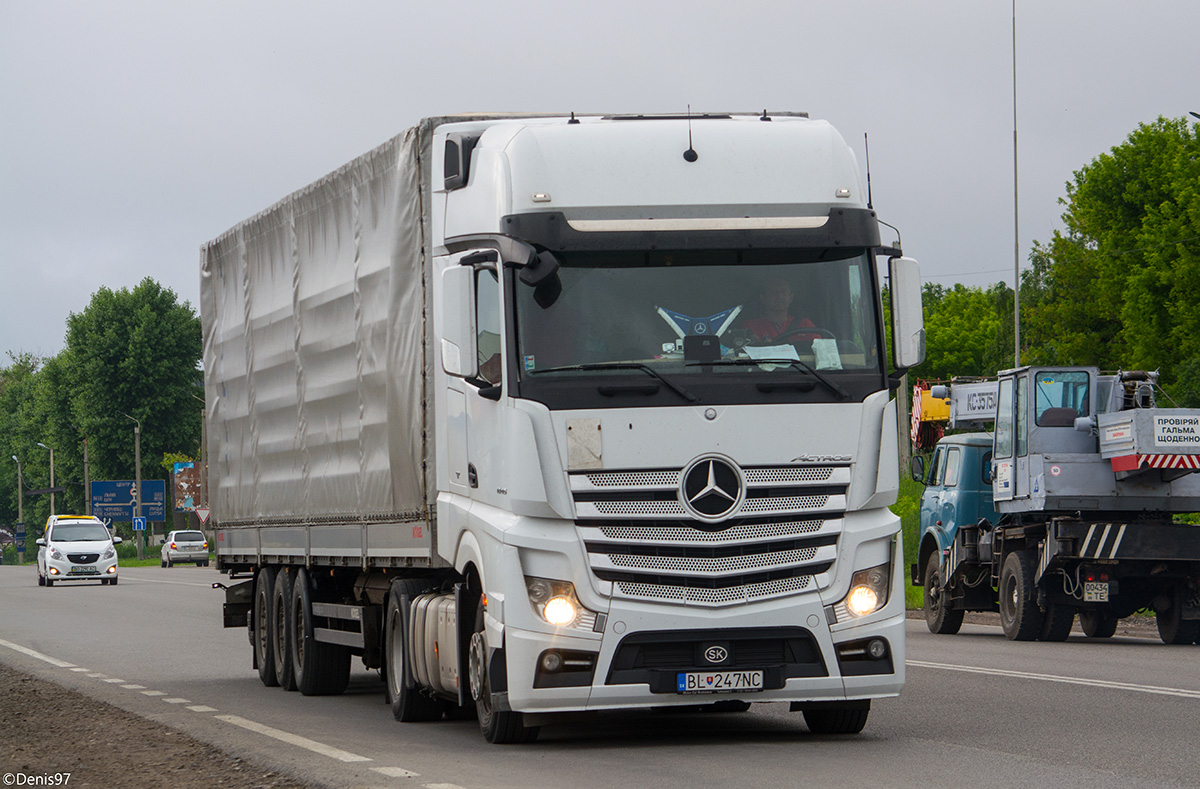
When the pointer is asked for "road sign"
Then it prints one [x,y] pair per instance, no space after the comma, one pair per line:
[116,498]
[139,524]
[202,513]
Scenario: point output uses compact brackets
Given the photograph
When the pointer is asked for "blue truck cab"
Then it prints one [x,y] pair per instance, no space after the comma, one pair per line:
[958,490]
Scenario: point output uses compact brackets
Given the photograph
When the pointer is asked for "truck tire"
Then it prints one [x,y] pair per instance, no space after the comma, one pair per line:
[837,721]
[1057,623]
[409,704]
[1019,613]
[1172,627]
[1097,623]
[939,617]
[264,627]
[497,726]
[319,668]
[281,640]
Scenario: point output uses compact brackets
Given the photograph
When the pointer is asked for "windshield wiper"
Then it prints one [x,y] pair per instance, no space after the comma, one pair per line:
[799,365]
[677,389]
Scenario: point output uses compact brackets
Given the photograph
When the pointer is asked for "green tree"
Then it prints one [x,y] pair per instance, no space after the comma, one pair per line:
[134,356]
[1120,283]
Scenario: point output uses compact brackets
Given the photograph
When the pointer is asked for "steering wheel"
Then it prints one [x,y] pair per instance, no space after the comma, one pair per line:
[787,335]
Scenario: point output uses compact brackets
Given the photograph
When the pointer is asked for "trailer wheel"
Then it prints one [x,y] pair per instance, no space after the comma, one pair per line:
[1097,623]
[1019,613]
[319,668]
[1172,627]
[837,721]
[281,650]
[1056,625]
[264,627]
[497,726]
[939,617]
[408,703]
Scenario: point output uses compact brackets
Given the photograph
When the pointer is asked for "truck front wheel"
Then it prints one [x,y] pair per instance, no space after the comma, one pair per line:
[940,618]
[1019,613]
[408,703]
[498,726]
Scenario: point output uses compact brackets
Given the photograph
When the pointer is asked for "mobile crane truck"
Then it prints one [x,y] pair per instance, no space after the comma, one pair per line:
[1066,509]
[483,412]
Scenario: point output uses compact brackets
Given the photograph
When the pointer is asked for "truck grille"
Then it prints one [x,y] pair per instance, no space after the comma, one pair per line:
[781,539]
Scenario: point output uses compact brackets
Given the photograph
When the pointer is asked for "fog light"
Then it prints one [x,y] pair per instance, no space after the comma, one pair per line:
[112,570]
[876,648]
[862,600]
[53,570]
[551,662]
[560,611]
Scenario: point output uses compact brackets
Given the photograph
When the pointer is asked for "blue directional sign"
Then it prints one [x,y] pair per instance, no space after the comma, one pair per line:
[115,499]
[139,524]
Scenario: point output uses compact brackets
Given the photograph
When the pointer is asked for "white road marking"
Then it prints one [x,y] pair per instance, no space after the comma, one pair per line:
[160,581]
[31,653]
[395,772]
[153,693]
[97,675]
[134,687]
[202,708]
[80,669]
[294,739]
[114,679]
[442,786]
[1096,683]
[178,701]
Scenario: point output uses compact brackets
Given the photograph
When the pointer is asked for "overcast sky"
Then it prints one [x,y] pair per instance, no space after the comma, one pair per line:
[132,132]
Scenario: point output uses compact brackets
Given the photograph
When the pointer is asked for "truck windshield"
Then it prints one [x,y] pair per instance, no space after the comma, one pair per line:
[699,316]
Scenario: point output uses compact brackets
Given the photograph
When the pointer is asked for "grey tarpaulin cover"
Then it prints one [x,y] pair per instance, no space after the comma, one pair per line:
[316,359]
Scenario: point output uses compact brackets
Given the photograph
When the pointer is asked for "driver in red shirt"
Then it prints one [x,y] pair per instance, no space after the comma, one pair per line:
[775,298]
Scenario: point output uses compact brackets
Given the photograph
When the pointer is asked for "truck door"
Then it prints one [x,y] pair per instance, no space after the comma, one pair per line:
[931,498]
[484,423]
[1021,484]
[1003,455]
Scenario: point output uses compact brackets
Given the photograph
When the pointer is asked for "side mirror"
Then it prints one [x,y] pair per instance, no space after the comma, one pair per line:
[456,303]
[918,468]
[908,320]
[117,540]
[40,541]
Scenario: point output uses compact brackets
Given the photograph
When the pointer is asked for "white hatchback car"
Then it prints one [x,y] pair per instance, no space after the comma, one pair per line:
[185,546]
[76,548]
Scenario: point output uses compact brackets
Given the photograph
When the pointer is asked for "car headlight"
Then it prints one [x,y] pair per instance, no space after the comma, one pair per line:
[868,593]
[110,553]
[556,603]
[54,554]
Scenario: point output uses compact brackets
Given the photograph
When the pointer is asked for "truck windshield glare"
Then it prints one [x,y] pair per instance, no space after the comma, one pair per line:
[675,311]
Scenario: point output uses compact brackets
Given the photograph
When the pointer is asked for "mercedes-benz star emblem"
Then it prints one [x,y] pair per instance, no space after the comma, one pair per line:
[712,488]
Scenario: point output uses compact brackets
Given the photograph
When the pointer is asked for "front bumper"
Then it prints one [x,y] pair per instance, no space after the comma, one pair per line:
[66,570]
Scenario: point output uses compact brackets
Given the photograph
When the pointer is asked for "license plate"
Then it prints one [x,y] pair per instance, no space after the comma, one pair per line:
[719,681]
[84,568]
[1095,591]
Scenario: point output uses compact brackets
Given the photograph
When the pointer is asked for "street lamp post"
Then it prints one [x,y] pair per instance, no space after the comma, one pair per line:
[43,446]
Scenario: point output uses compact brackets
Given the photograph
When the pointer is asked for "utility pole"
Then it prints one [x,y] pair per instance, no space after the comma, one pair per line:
[20,505]
[43,446]
[87,481]
[1016,212]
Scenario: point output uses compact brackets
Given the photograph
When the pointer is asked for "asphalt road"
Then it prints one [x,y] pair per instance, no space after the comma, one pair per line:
[976,709]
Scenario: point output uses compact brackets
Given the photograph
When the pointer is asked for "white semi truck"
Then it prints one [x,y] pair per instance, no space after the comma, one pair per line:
[488,408]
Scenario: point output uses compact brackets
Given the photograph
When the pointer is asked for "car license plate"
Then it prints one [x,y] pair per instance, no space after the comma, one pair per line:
[83,569]
[1095,591]
[719,681]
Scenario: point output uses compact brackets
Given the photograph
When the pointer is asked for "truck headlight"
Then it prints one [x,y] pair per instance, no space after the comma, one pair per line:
[868,593]
[556,603]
